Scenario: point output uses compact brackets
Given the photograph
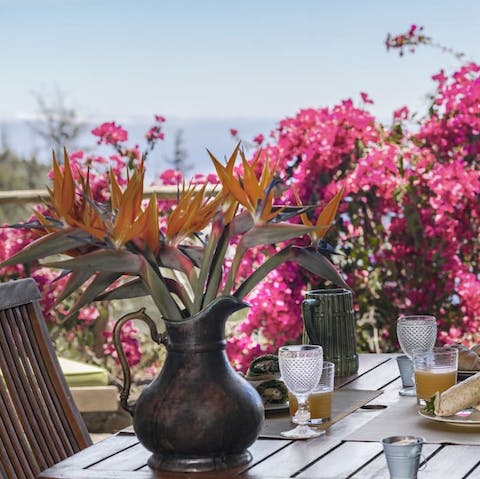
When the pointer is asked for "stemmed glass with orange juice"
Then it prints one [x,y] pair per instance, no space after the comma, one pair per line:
[301,369]
[416,332]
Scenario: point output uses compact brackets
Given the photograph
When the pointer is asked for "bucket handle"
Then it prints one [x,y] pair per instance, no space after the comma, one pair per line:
[127,377]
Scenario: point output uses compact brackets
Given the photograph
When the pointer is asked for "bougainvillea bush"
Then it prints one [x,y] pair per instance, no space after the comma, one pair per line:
[410,227]
[407,238]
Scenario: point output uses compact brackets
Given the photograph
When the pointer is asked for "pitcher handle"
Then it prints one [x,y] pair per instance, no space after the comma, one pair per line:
[127,378]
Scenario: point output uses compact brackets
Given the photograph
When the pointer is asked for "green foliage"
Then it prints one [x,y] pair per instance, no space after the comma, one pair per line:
[17,173]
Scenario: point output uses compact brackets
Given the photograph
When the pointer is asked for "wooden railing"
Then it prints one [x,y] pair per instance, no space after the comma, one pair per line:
[37,196]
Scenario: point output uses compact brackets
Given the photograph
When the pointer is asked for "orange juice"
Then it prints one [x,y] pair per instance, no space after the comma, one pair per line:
[292,404]
[429,382]
[319,404]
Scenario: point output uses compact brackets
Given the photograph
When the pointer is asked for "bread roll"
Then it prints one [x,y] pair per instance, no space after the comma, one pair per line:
[476,349]
[468,360]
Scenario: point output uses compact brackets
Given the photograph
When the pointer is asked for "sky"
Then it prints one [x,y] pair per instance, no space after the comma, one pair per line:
[223,62]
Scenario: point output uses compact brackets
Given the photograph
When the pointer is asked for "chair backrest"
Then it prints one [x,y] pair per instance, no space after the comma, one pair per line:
[39,422]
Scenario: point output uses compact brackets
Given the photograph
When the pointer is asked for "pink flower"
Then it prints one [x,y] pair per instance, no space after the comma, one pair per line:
[401,113]
[154,133]
[131,345]
[88,315]
[110,133]
[259,139]
[365,98]
[171,177]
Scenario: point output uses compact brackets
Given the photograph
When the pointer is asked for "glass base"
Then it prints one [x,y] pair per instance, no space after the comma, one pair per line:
[408,391]
[313,422]
[318,421]
[302,432]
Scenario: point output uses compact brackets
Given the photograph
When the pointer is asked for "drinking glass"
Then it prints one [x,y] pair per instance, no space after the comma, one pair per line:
[301,369]
[435,371]
[319,401]
[415,332]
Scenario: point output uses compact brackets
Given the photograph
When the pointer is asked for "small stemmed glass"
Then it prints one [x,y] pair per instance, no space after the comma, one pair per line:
[415,332]
[301,369]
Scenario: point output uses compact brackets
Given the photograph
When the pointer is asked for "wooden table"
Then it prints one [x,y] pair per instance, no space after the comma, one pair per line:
[328,456]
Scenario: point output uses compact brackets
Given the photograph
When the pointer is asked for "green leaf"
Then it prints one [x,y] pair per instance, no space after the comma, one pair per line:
[260,273]
[216,268]
[317,264]
[232,274]
[101,282]
[215,234]
[112,261]
[75,281]
[288,212]
[53,243]
[269,233]
[430,405]
[173,258]
[195,253]
[131,289]
[155,282]
[136,288]
[241,223]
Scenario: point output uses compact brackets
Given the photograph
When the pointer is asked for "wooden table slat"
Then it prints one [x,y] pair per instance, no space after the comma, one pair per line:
[130,459]
[367,362]
[97,452]
[451,462]
[376,378]
[336,463]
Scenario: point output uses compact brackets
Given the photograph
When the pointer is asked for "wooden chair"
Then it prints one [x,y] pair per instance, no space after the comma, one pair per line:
[39,422]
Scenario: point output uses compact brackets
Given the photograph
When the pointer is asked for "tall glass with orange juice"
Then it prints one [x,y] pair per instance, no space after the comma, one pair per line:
[434,371]
[320,400]
[435,380]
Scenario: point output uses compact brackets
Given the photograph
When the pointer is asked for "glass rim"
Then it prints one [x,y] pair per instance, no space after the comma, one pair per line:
[417,317]
[297,348]
[327,291]
[437,350]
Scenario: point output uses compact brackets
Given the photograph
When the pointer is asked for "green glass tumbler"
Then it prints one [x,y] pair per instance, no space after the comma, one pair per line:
[329,320]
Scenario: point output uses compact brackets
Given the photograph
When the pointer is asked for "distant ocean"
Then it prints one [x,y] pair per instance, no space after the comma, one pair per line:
[197,136]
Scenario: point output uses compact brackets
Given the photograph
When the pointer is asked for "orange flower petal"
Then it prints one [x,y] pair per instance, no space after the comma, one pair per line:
[327,215]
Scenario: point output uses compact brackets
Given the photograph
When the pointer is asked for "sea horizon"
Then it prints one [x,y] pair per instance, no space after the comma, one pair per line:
[198,135]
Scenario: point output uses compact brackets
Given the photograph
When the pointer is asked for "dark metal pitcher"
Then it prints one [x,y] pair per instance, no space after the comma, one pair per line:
[198,414]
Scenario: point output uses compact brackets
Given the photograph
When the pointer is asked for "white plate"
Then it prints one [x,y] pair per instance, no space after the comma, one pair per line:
[467,417]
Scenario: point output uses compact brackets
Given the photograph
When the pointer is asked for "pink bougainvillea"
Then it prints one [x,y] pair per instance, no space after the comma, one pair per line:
[110,133]
[410,222]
